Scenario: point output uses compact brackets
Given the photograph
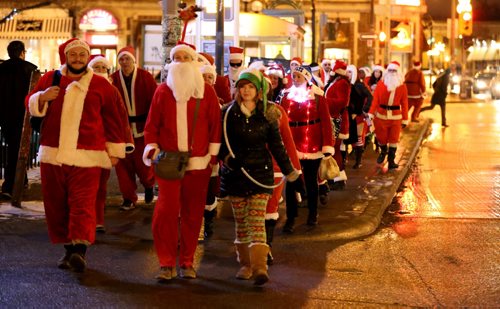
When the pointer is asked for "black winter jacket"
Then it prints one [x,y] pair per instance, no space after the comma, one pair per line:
[253,141]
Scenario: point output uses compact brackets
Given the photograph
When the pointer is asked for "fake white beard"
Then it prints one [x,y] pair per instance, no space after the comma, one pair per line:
[393,80]
[299,94]
[234,73]
[185,80]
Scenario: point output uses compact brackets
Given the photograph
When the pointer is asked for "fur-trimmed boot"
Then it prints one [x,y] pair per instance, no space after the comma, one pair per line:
[383,154]
[77,258]
[392,157]
[358,150]
[243,257]
[258,260]
[64,261]
[270,224]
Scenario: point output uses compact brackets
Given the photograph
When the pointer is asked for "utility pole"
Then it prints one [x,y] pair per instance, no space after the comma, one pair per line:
[219,38]
[453,30]
[171,28]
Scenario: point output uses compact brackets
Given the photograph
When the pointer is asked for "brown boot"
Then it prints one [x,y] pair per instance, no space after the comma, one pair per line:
[258,260]
[243,253]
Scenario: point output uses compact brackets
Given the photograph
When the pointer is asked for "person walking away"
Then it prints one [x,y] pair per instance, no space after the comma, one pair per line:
[80,135]
[390,112]
[440,87]
[136,87]
[251,140]
[169,127]
[15,76]
[415,85]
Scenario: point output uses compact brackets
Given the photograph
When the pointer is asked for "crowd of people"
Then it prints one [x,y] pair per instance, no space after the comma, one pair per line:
[249,135]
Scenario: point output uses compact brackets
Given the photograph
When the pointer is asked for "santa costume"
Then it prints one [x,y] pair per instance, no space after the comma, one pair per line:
[415,84]
[221,86]
[137,92]
[390,112]
[235,58]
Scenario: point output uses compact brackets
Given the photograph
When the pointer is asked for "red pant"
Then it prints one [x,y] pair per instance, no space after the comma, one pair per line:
[127,168]
[417,105]
[100,202]
[274,200]
[387,131]
[179,202]
[69,197]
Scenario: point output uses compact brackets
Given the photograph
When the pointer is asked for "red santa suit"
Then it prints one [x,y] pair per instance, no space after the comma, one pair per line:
[79,134]
[415,85]
[169,127]
[138,104]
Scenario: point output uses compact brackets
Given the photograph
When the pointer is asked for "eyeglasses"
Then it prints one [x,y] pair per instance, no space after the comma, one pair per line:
[392,71]
[236,65]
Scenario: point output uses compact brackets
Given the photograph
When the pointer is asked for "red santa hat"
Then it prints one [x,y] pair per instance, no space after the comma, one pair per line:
[340,67]
[394,65]
[206,58]
[186,47]
[235,53]
[279,71]
[94,59]
[296,60]
[127,50]
[304,72]
[417,64]
[378,67]
[70,44]
[208,69]
[326,60]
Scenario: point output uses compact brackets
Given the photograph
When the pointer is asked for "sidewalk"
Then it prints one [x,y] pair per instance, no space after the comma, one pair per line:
[353,212]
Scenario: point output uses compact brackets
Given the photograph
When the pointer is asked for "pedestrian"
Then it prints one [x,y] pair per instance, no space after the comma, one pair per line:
[102,67]
[137,87]
[415,84]
[311,127]
[235,66]
[326,66]
[251,140]
[15,76]
[80,135]
[221,84]
[170,127]
[440,87]
[375,77]
[316,75]
[390,112]
[294,63]
[278,79]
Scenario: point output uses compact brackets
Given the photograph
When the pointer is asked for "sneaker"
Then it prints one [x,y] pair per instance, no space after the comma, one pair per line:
[127,205]
[166,274]
[100,229]
[188,272]
[148,195]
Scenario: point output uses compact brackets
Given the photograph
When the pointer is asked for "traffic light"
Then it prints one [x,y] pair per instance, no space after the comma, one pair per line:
[464,9]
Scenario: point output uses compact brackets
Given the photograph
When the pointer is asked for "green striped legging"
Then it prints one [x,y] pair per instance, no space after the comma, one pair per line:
[249,217]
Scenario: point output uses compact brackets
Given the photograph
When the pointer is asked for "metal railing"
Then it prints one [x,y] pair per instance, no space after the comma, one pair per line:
[32,160]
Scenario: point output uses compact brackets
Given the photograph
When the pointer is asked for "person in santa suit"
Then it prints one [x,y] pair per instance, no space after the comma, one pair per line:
[415,84]
[169,127]
[101,67]
[311,127]
[80,135]
[326,66]
[235,67]
[277,76]
[337,94]
[137,87]
[221,84]
[294,63]
[390,112]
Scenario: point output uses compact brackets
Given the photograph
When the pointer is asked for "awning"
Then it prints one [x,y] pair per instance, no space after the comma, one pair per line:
[492,54]
[477,53]
[34,28]
[261,25]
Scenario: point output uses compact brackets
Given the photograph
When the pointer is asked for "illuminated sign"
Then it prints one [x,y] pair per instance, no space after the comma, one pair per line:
[407,2]
[98,20]
[402,41]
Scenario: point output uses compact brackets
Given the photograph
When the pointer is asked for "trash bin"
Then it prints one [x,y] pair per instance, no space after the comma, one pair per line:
[465,88]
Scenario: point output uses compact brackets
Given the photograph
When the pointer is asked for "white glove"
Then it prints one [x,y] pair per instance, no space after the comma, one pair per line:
[146,157]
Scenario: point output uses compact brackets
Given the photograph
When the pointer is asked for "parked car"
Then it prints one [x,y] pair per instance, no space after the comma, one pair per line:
[482,81]
[495,87]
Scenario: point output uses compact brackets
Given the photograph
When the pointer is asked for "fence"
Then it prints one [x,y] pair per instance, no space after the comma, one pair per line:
[32,159]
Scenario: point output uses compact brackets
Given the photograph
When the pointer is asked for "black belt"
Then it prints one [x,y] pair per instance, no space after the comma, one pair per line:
[138,118]
[390,107]
[303,123]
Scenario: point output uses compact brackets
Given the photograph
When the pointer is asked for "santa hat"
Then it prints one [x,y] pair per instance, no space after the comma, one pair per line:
[70,44]
[304,72]
[256,77]
[354,73]
[235,53]
[183,46]
[206,58]
[417,64]
[340,67]
[127,50]
[367,70]
[326,60]
[94,59]
[279,71]
[394,65]
[378,67]
[296,60]
[208,69]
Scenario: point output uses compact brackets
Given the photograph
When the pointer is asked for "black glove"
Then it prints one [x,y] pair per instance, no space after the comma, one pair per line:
[297,186]
[403,126]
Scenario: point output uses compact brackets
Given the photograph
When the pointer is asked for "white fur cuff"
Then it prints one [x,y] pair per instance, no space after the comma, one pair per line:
[145,155]
[116,150]
[33,105]
[213,148]
[328,149]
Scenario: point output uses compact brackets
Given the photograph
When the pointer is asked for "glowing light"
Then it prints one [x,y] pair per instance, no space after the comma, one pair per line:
[382,36]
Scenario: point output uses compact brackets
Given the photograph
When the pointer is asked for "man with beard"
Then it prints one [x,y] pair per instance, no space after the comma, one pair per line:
[390,109]
[415,84]
[326,66]
[235,67]
[137,87]
[170,127]
[80,135]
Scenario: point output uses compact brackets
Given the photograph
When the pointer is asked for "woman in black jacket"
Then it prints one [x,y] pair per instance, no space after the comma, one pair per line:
[251,139]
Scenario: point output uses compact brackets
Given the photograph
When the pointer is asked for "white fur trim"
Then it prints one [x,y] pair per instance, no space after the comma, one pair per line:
[147,149]
[191,52]
[213,148]
[215,170]
[75,157]
[272,216]
[198,163]
[405,122]
[130,102]
[208,69]
[211,207]
[77,43]
[182,126]
[129,147]
[278,175]
[34,106]
[393,66]
[236,57]
[99,59]
[116,149]
[123,53]
[342,176]
[328,149]
[309,156]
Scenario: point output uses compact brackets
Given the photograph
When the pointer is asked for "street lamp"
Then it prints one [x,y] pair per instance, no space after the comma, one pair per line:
[427,23]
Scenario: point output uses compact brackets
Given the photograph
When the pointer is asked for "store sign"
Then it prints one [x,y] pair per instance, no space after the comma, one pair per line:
[29,25]
[402,41]
[98,20]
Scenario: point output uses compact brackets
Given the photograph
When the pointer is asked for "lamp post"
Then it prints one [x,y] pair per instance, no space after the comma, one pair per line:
[428,23]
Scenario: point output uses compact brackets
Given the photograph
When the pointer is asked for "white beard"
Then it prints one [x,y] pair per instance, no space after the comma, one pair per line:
[234,73]
[185,80]
[393,81]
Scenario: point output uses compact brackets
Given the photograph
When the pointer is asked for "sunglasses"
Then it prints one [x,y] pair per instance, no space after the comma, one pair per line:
[236,65]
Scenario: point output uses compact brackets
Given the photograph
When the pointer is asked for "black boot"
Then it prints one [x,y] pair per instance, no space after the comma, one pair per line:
[312,218]
[270,225]
[383,154]
[288,227]
[391,157]
[209,216]
[323,193]
[77,258]
[358,150]
[64,261]
[343,153]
